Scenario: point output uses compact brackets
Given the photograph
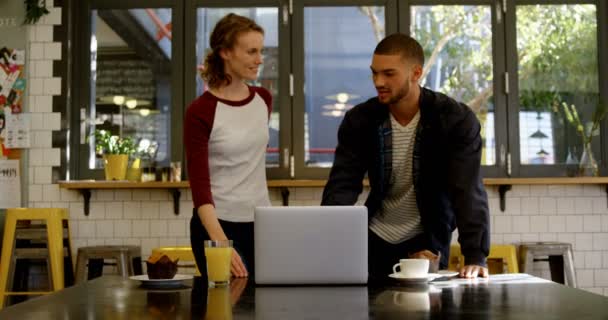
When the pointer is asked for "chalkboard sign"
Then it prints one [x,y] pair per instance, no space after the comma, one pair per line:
[130,78]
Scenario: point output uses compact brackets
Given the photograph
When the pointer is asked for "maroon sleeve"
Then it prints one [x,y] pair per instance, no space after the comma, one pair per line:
[266,96]
[197,129]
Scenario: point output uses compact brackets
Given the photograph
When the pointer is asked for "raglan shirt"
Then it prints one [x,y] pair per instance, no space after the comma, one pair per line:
[226,150]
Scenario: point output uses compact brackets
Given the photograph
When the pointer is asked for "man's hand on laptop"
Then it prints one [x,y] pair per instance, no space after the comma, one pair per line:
[237,268]
[472,271]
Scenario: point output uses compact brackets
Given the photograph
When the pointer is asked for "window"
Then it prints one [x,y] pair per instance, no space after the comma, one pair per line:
[457,43]
[267,18]
[557,65]
[337,46]
[127,85]
[516,63]
[332,55]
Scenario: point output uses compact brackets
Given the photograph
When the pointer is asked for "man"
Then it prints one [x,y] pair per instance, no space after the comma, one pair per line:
[421,151]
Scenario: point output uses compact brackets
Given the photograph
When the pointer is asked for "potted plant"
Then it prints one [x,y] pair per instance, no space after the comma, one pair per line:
[587,130]
[115,151]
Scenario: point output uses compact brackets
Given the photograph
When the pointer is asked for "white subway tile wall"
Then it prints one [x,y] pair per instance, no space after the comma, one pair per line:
[573,214]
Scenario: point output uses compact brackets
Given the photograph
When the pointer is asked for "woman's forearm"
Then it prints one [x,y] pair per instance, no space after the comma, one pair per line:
[209,219]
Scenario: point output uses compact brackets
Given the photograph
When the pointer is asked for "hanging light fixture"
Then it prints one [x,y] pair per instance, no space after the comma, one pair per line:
[144,112]
[131,103]
[340,106]
[118,100]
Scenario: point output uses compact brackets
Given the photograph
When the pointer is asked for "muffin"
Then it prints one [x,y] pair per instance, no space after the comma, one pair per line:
[160,266]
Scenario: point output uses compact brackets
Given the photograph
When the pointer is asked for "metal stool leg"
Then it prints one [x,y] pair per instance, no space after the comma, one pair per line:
[122,264]
[129,262]
[81,265]
[528,261]
[569,269]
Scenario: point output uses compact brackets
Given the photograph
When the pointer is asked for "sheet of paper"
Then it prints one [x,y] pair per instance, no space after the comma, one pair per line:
[10,184]
[17,134]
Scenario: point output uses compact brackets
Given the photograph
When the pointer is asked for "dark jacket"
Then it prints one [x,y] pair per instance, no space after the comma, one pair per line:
[446,170]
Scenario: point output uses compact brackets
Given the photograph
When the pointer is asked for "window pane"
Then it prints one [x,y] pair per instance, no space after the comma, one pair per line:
[131,80]
[268,78]
[338,47]
[557,55]
[457,43]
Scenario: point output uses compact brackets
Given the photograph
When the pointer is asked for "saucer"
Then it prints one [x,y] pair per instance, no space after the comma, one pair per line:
[175,282]
[424,279]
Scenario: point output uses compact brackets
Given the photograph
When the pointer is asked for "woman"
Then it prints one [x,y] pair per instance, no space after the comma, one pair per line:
[226,134]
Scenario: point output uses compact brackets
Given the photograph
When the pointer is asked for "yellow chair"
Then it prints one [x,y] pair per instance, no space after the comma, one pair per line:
[456,259]
[54,218]
[505,253]
[184,253]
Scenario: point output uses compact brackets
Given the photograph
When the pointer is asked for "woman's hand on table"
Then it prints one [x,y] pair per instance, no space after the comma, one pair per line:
[237,267]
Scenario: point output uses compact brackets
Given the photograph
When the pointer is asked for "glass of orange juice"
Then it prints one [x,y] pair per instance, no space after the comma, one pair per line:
[218,254]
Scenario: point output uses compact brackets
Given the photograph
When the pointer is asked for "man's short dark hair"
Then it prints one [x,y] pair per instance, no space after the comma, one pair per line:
[399,43]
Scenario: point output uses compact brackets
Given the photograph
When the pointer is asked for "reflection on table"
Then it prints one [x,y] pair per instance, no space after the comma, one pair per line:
[512,296]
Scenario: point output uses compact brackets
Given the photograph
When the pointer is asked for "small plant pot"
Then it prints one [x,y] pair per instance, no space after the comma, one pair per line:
[115,166]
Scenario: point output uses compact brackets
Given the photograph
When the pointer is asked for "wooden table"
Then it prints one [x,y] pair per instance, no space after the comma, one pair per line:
[514,297]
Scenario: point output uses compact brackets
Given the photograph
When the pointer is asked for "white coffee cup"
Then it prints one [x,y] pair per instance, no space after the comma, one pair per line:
[412,268]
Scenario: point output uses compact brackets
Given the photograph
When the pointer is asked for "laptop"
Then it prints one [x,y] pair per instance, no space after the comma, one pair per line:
[310,245]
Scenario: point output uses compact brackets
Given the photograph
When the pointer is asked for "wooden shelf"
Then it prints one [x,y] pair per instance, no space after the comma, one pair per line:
[100,184]
[93,184]
[550,181]
[85,186]
[504,185]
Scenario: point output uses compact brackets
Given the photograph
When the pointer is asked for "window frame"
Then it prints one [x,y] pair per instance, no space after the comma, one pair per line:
[499,169]
[291,63]
[301,171]
[81,76]
[554,170]
[285,113]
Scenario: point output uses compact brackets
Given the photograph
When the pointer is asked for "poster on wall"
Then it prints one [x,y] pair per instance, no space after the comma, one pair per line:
[16,133]
[10,184]
[12,87]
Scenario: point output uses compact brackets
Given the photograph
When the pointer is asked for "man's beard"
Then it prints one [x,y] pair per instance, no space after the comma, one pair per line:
[402,93]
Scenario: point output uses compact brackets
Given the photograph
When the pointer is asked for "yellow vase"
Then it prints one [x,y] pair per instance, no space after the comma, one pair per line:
[115,166]
[134,172]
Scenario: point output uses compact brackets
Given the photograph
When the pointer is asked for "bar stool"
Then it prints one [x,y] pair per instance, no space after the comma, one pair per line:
[183,253]
[505,253]
[128,261]
[559,255]
[54,217]
[30,246]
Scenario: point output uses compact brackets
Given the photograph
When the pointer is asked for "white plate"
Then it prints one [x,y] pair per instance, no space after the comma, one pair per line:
[161,283]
